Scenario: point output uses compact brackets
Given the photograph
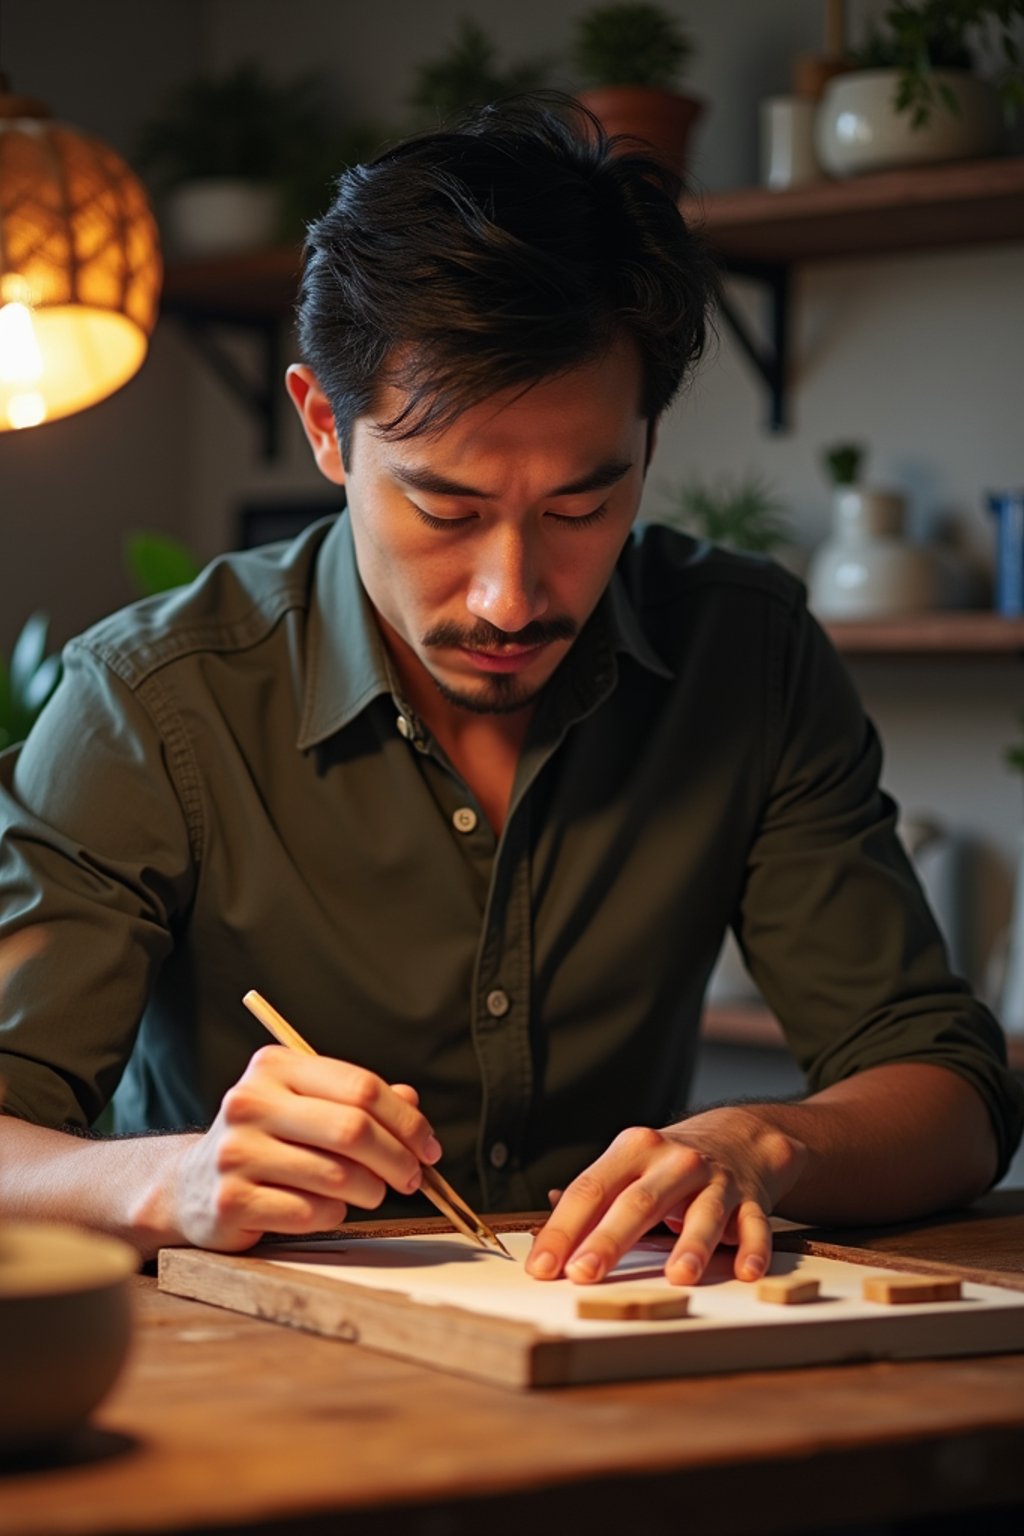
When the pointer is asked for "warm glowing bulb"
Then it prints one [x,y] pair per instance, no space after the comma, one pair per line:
[21,361]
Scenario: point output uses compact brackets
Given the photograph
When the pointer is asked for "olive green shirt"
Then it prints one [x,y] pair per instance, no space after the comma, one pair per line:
[228,791]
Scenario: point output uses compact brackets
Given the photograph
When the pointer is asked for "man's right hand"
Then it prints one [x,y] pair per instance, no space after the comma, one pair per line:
[297,1140]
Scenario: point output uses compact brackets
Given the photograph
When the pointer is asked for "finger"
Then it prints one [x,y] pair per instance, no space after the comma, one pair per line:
[407,1093]
[587,1199]
[244,1212]
[287,1117]
[579,1207]
[261,1159]
[754,1248]
[554,1195]
[703,1227]
[639,1207]
[340,1082]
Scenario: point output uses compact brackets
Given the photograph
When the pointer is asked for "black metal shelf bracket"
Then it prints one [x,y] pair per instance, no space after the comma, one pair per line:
[263,397]
[772,360]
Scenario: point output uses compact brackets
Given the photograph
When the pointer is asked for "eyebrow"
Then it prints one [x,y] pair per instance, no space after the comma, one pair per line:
[421,478]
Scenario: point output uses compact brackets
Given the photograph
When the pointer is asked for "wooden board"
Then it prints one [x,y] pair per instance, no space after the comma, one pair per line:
[434,1299]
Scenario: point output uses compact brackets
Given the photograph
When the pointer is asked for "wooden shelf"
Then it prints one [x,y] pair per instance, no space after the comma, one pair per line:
[975,202]
[257,285]
[751,1024]
[964,634]
[751,231]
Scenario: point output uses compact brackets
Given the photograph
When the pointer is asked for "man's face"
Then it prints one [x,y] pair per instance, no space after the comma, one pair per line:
[485,548]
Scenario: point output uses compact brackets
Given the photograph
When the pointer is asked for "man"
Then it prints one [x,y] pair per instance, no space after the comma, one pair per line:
[470,783]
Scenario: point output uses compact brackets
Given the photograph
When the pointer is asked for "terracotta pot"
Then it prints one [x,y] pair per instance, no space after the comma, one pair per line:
[661,118]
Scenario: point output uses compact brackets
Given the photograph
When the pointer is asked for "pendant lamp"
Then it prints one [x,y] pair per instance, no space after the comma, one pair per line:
[80,267]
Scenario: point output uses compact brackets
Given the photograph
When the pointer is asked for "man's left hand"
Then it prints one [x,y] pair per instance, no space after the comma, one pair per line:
[714,1178]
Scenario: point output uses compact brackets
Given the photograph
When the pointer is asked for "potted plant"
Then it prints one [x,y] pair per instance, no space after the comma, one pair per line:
[631,55]
[866,568]
[744,513]
[913,96]
[468,75]
[222,150]
[26,681]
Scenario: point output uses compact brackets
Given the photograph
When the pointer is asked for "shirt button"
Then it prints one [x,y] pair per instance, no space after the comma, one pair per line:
[498,1155]
[497,1003]
[464,819]
[404,727]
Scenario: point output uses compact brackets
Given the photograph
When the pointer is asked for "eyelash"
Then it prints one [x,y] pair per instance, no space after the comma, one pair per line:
[443,523]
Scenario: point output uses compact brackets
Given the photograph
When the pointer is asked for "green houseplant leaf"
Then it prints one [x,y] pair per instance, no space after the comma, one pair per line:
[156,562]
[27,680]
[745,513]
[468,75]
[918,37]
[631,43]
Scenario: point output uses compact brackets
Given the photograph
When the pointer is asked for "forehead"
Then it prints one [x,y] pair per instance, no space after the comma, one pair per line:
[595,405]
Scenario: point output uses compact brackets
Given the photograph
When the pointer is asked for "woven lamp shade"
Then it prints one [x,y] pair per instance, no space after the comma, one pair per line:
[80,268]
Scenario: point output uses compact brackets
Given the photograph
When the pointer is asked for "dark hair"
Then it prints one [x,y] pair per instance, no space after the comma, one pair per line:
[510,248]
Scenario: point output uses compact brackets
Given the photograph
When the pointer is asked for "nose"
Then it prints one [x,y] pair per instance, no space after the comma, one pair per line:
[507,585]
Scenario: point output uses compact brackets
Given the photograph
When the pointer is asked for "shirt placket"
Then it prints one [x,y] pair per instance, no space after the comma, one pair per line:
[499,1010]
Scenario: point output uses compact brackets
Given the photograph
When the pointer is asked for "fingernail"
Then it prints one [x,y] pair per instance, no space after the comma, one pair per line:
[415,1181]
[584,1266]
[754,1266]
[544,1266]
[432,1150]
[685,1267]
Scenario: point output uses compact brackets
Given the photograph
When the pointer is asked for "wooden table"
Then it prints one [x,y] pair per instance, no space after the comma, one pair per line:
[223,1422]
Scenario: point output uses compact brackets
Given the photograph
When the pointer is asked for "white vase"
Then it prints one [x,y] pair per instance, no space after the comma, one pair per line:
[220,215]
[866,568]
[858,129]
[1011,1003]
[787,142]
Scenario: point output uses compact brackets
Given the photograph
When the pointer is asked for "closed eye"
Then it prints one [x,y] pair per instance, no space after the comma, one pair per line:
[586,521]
[441,522]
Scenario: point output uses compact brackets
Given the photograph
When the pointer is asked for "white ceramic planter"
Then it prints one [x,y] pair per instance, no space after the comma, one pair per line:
[865,568]
[221,215]
[858,129]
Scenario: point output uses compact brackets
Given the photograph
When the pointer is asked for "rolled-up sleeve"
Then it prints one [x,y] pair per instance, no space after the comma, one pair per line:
[836,930]
[97,861]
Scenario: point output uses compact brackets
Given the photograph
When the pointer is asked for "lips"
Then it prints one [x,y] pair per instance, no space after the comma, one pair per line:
[509,659]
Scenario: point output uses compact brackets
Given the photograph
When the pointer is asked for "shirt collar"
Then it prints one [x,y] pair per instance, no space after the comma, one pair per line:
[347,663]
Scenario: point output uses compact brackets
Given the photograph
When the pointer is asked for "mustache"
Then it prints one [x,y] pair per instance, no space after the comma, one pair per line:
[483,636]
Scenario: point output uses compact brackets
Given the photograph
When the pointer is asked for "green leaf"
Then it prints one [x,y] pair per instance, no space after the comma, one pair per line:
[156,562]
[744,514]
[41,685]
[27,681]
[28,653]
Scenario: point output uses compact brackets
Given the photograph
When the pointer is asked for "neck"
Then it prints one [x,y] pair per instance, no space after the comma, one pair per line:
[483,748]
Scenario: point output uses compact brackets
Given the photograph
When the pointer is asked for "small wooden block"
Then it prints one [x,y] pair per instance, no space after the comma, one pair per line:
[623,1304]
[787,1290]
[893,1290]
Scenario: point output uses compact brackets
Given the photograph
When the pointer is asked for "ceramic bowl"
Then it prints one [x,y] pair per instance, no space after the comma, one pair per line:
[857,128]
[65,1328]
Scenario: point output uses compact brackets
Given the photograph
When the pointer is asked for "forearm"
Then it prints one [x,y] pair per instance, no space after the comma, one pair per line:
[888,1144]
[119,1186]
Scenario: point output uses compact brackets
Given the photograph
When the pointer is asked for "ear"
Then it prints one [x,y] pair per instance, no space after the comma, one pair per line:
[317,420]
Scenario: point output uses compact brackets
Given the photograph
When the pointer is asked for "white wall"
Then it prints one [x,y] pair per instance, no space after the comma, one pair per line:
[919,356]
